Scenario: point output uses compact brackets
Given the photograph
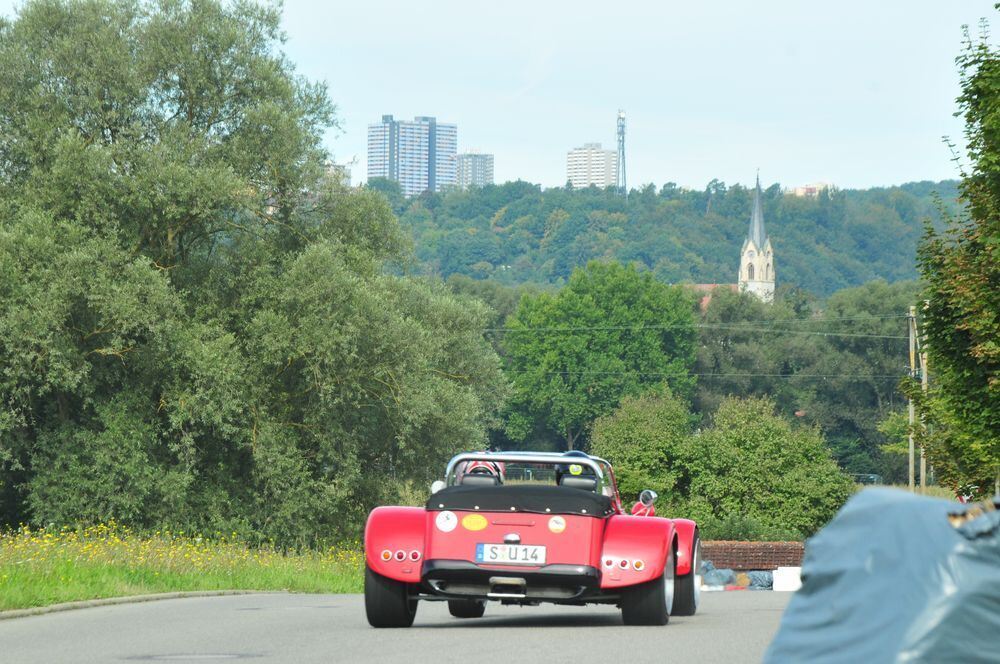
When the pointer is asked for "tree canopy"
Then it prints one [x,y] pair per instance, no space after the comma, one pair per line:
[961,318]
[837,369]
[517,233]
[834,363]
[610,332]
[749,466]
[198,327]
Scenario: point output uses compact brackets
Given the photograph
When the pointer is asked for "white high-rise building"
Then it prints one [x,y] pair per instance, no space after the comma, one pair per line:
[419,155]
[591,165]
[475,170]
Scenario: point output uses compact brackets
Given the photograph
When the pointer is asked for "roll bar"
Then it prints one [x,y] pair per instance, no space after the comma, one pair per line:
[546,458]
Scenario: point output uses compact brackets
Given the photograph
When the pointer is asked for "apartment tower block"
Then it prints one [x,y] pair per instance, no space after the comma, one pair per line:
[591,165]
[419,155]
[475,170]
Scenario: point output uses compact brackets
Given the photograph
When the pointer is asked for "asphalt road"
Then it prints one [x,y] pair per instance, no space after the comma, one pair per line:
[730,627]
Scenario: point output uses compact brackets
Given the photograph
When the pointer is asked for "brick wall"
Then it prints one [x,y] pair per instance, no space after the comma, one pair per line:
[752,555]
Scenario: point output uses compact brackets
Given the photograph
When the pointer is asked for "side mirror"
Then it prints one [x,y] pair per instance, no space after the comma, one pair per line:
[647,497]
[437,486]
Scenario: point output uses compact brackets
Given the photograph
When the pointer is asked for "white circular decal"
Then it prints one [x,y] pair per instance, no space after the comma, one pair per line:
[446,521]
[557,524]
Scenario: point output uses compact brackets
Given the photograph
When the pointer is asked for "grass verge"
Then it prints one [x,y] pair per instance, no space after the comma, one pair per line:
[40,567]
[932,490]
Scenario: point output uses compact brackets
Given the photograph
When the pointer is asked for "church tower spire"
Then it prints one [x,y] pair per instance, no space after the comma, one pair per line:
[757,233]
[756,257]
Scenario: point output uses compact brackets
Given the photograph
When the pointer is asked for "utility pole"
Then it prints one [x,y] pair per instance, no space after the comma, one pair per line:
[925,377]
[923,385]
[912,325]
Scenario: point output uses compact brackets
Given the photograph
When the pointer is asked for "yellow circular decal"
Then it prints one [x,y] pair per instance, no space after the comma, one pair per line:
[575,469]
[557,524]
[474,522]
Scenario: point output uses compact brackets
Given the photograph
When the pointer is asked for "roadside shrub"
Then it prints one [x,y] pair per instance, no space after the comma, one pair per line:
[643,439]
[744,528]
[749,475]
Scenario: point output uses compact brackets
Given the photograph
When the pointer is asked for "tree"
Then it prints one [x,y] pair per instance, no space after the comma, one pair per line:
[750,468]
[837,369]
[150,120]
[198,328]
[361,377]
[867,355]
[961,318]
[89,338]
[611,331]
[392,191]
[895,429]
[643,438]
[502,300]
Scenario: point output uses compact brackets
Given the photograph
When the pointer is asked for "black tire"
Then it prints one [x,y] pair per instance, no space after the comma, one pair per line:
[650,603]
[687,588]
[466,608]
[388,603]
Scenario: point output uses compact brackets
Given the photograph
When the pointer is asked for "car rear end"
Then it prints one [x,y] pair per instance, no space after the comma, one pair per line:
[518,543]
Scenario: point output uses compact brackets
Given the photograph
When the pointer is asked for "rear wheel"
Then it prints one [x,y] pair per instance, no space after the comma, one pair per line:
[651,602]
[388,603]
[688,594]
[466,608]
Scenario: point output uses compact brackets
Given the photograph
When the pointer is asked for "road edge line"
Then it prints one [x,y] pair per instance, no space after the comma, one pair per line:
[127,599]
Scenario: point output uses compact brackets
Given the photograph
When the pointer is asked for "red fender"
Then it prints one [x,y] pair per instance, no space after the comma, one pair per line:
[400,531]
[686,529]
[645,539]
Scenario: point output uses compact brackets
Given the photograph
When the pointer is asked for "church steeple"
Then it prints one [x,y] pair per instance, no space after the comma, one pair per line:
[756,259]
[757,233]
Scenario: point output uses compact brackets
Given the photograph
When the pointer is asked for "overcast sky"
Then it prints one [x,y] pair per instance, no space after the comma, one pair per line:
[858,93]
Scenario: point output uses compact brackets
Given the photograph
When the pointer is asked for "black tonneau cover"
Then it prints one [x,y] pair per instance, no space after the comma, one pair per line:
[521,498]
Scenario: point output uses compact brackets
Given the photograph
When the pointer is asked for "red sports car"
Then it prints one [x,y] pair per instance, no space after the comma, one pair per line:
[525,528]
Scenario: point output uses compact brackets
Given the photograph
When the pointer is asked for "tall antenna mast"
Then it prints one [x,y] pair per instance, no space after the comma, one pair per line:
[620,183]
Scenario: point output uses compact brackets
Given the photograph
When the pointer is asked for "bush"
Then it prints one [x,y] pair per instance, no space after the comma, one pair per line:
[642,439]
[744,528]
[749,475]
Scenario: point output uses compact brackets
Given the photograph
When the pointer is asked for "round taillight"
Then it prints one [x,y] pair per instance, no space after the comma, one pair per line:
[637,565]
[623,563]
[387,555]
[414,556]
[609,563]
[401,555]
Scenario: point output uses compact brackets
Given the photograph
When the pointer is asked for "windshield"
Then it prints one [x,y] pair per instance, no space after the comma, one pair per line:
[514,469]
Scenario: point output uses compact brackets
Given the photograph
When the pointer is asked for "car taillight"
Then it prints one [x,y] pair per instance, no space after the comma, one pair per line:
[623,563]
[637,565]
[609,563]
[387,555]
[414,556]
[401,555]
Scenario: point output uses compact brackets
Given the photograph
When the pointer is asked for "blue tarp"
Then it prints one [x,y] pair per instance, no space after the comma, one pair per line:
[892,579]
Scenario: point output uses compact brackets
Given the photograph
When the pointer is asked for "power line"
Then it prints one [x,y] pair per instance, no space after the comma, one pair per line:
[856,335]
[830,319]
[711,375]
[817,319]
[679,326]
